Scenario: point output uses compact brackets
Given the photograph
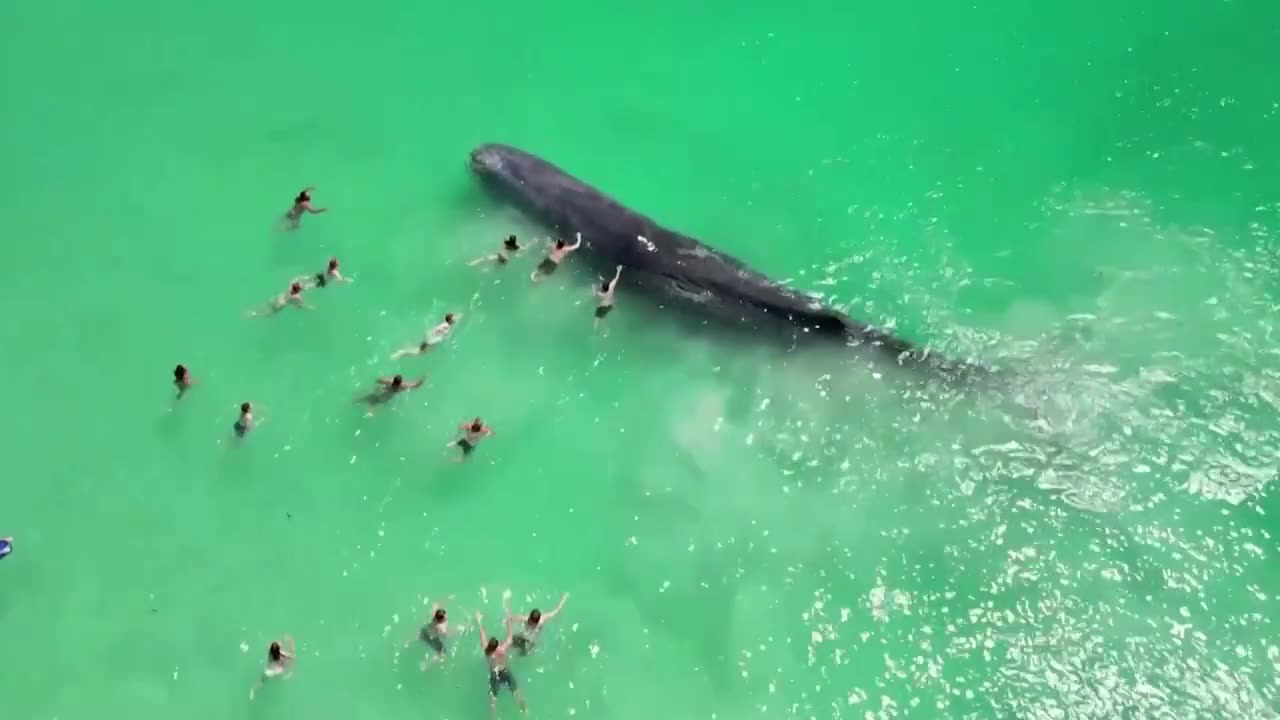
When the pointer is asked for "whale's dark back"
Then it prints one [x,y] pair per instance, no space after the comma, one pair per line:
[673,265]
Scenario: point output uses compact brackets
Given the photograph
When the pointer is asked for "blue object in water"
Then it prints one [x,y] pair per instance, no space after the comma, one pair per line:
[6,547]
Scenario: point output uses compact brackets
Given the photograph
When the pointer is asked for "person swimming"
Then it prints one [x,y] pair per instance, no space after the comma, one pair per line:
[182,379]
[301,205]
[435,632]
[434,337]
[279,662]
[531,624]
[292,295]
[495,654]
[388,388]
[6,547]
[557,255]
[605,294]
[472,433]
[245,422]
[330,274]
[510,247]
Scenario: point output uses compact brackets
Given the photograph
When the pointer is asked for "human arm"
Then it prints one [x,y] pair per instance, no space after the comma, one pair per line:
[553,613]
[510,634]
[484,639]
[416,383]
[577,243]
[314,210]
[616,276]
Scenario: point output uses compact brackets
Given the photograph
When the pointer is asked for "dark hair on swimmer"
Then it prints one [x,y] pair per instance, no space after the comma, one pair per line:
[333,263]
[180,372]
[274,652]
[511,243]
[245,407]
[397,381]
[559,244]
[477,425]
[302,197]
[295,288]
[535,616]
[491,646]
[439,616]
[448,317]
[604,286]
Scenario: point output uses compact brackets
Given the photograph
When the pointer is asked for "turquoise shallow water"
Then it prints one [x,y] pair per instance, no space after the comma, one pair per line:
[1087,193]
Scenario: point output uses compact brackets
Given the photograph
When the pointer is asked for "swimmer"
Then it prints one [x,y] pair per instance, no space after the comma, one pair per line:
[330,274]
[389,388]
[495,654]
[434,337]
[509,248]
[434,633]
[558,253]
[293,295]
[605,293]
[533,623]
[302,204]
[278,663]
[246,422]
[6,547]
[472,433]
[182,379]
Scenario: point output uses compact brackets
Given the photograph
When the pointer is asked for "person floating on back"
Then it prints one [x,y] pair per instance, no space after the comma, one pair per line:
[388,388]
[182,379]
[330,274]
[301,205]
[434,337]
[531,624]
[472,433]
[278,663]
[605,294]
[434,633]
[292,295]
[558,253]
[495,654]
[510,247]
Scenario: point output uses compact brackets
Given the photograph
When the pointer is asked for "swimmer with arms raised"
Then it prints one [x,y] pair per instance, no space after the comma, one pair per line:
[434,337]
[558,253]
[292,295]
[531,624]
[302,204]
[389,388]
[279,662]
[495,654]
[605,294]
[510,247]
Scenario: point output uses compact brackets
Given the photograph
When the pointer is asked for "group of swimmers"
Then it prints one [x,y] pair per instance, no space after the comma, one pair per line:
[435,633]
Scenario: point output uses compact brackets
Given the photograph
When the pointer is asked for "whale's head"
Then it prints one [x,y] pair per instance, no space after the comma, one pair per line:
[517,177]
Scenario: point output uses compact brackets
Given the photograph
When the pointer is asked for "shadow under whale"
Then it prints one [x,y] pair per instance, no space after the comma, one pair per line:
[675,269]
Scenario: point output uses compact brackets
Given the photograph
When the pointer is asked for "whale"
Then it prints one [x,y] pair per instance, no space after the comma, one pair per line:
[678,271]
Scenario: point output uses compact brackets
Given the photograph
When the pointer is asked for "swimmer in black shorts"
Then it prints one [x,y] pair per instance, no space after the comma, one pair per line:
[605,293]
[558,253]
[509,249]
[531,624]
[245,422]
[434,633]
[330,274]
[472,433]
[495,654]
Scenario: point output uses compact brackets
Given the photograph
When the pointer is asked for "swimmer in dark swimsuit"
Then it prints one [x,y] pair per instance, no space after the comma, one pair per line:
[293,295]
[495,654]
[472,433]
[605,293]
[302,204]
[509,249]
[532,624]
[558,253]
[245,423]
[330,274]
[182,379]
[434,633]
[389,388]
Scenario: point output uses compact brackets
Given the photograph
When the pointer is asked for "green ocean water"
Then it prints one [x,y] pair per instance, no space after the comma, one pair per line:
[1088,193]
